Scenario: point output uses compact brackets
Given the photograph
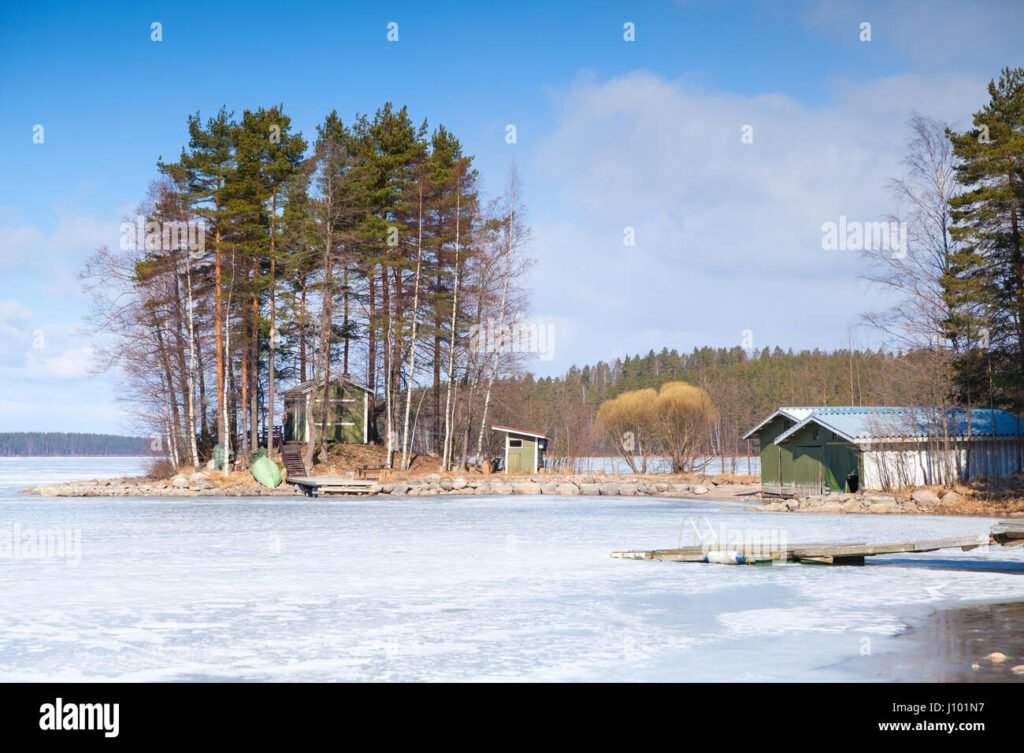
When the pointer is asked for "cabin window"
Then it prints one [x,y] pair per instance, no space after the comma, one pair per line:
[515,443]
[815,434]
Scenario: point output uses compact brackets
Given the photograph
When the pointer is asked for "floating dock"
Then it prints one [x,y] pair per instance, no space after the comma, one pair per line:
[1004,534]
[320,486]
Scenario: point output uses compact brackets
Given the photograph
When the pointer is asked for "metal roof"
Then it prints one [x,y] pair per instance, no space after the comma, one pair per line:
[890,422]
[795,414]
[510,430]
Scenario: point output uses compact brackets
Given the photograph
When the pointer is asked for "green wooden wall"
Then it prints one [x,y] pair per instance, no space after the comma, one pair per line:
[810,461]
[344,422]
[520,459]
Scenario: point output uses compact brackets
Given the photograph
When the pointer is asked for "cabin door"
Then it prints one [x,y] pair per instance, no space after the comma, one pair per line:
[519,460]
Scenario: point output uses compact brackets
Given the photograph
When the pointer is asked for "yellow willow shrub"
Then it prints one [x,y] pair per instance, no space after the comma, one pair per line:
[684,418]
[628,420]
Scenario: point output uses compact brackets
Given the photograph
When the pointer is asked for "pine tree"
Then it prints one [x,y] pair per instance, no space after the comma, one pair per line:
[986,282]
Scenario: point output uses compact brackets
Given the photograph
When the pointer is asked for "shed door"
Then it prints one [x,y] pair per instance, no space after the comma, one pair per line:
[520,455]
[807,468]
[840,462]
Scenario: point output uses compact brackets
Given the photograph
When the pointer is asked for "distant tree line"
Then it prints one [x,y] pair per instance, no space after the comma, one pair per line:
[743,387]
[63,444]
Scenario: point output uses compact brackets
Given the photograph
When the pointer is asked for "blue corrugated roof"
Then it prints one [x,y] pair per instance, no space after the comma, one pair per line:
[857,422]
[790,412]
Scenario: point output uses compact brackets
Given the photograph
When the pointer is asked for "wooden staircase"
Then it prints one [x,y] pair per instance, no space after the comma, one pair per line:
[291,454]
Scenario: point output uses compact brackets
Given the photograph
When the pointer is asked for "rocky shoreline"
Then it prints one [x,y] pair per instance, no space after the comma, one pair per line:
[921,502]
[203,484]
[566,486]
[198,484]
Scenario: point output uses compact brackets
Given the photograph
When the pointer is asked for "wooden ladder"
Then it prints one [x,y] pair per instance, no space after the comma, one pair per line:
[291,454]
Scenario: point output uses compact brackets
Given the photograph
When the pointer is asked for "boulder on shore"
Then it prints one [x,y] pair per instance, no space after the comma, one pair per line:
[926,497]
[526,488]
[951,498]
[883,508]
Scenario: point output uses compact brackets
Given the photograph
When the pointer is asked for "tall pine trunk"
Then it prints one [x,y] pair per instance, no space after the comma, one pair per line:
[273,329]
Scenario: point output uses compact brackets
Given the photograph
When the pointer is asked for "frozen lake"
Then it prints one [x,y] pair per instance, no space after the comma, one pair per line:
[456,588]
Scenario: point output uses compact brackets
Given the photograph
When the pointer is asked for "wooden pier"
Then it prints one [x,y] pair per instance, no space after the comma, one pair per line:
[321,486]
[1005,534]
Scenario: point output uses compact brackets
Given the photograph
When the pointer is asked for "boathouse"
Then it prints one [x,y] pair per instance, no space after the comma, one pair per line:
[348,414]
[524,450]
[811,450]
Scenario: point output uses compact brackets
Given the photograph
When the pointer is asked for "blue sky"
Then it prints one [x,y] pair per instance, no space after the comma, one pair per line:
[610,134]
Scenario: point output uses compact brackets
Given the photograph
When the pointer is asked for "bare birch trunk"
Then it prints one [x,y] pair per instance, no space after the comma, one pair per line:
[449,418]
[501,315]
[326,318]
[412,343]
[190,378]
[388,367]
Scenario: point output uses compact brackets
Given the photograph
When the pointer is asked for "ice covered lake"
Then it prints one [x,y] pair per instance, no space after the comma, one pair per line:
[451,588]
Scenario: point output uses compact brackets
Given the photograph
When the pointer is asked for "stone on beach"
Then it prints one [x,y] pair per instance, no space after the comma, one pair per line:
[926,497]
[952,498]
[526,488]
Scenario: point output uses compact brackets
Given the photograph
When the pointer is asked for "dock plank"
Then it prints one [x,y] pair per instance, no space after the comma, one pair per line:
[318,486]
[835,554]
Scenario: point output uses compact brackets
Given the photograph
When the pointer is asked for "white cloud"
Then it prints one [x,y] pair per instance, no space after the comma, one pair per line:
[728,235]
[41,352]
[15,332]
[71,363]
[26,247]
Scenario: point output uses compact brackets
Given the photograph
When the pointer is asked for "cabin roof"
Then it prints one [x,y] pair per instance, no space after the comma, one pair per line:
[858,423]
[795,414]
[511,430]
[311,384]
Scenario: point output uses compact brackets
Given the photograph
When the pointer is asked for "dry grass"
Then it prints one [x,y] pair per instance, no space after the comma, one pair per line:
[340,459]
[987,498]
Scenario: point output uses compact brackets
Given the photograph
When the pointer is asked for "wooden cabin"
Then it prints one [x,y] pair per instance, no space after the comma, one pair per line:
[348,418]
[524,450]
[811,450]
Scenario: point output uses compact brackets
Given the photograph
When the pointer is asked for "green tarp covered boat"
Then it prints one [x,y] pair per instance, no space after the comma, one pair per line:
[266,472]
